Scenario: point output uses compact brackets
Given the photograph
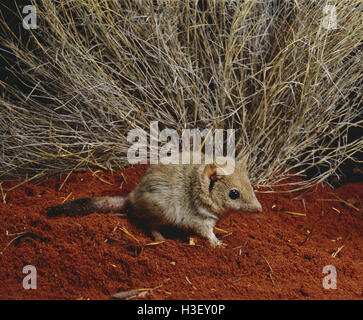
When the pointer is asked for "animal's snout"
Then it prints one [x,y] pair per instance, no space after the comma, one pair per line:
[256,206]
[253,207]
[259,207]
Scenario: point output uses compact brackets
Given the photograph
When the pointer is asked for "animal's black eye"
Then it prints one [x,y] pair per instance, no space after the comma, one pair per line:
[234,194]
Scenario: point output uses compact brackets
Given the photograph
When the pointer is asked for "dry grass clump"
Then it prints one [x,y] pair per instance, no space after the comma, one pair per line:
[275,71]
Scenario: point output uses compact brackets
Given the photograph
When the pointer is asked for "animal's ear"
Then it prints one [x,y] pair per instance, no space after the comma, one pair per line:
[209,172]
[244,161]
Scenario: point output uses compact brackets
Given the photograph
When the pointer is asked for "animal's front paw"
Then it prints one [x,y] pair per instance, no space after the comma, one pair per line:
[221,244]
[215,243]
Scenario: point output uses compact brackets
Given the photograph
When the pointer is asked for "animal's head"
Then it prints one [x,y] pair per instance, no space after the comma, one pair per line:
[230,191]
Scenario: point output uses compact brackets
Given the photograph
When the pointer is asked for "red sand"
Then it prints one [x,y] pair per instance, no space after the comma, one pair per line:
[273,255]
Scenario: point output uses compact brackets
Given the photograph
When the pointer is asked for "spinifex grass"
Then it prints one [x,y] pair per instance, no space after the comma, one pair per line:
[287,81]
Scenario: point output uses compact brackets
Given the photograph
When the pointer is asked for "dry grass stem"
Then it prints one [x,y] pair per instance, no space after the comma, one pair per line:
[271,70]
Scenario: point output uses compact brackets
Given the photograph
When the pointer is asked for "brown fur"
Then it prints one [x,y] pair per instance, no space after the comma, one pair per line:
[191,197]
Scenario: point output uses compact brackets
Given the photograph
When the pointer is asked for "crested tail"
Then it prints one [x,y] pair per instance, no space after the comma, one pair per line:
[86,206]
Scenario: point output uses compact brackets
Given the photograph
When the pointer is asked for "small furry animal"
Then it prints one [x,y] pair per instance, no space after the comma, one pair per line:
[190,197]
